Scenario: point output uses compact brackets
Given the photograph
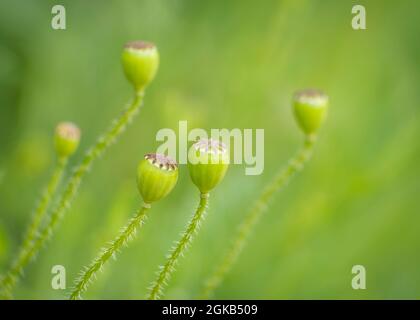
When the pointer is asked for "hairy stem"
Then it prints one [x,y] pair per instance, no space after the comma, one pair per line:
[43,204]
[253,216]
[89,273]
[39,215]
[179,249]
[72,186]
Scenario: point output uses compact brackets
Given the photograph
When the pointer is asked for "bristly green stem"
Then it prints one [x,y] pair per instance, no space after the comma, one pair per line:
[251,219]
[43,204]
[73,183]
[179,249]
[33,228]
[89,273]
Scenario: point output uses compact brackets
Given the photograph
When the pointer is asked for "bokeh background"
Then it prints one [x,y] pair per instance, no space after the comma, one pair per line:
[224,64]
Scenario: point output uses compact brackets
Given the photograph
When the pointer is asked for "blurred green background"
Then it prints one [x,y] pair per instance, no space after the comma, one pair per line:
[224,64]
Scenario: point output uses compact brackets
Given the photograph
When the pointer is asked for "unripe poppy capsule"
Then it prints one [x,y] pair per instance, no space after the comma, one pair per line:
[208,161]
[140,61]
[310,109]
[157,175]
[66,139]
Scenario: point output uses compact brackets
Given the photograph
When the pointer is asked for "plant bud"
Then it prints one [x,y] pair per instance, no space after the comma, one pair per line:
[140,61]
[208,161]
[157,175]
[67,137]
[310,108]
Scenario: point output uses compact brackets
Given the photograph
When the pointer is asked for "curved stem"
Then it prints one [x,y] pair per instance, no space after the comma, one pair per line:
[73,183]
[179,249]
[253,216]
[39,215]
[89,273]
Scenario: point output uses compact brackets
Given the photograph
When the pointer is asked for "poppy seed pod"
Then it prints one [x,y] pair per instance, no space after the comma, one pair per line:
[208,161]
[157,175]
[140,61]
[310,108]
[66,139]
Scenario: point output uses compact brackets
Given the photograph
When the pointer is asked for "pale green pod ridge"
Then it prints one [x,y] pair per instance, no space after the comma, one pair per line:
[140,61]
[208,161]
[66,139]
[310,109]
[157,175]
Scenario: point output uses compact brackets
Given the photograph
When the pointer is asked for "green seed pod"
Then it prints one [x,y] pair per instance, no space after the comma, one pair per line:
[208,161]
[140,61]
[156,176]
[66,139]
[310,108]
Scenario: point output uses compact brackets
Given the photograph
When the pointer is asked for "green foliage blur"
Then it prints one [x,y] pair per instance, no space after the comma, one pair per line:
[224,64]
